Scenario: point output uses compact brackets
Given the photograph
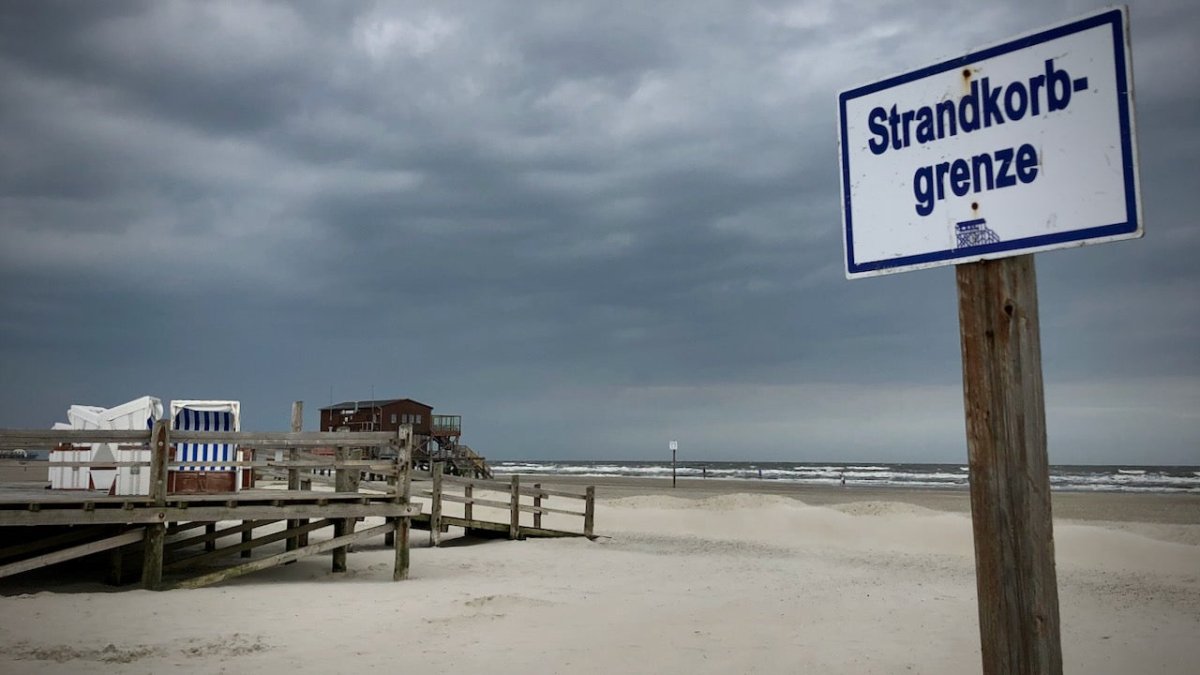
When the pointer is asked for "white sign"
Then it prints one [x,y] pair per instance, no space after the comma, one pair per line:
[1021,147]
[674,446]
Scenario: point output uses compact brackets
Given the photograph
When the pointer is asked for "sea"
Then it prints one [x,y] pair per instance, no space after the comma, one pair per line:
[883,474]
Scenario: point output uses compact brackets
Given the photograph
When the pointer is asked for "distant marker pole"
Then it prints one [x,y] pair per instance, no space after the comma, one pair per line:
[674,447]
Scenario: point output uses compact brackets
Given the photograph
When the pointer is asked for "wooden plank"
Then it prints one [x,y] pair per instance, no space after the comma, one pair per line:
[282,558]
[278,439]
[537,510]
[498,485]
[495,503]
[23,438]
[487,525]
[1010,477]
[468,501]
[546,492]
[141,516]
[253,543]
[71,553]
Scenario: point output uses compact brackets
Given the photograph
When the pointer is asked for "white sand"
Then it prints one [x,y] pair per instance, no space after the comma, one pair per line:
[727,584]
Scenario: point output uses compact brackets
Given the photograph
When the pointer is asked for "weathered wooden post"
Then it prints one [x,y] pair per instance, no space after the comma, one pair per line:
[537,504]
[589,512]
[1010,472]
[435,508]
[116,563]
[341,526]
[469,506]
[514,508]
[293,474]
[156,533]
[404,456]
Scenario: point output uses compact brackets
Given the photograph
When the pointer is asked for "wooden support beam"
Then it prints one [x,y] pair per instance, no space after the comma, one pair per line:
[589,512]
[253,543]
[116,565]
[293,480]
[403,528]
[152,556]
[207,537]
[247,536]
[344,526]
[435,510]
[283,558]
[469,502]
[156,533]
[402,489]
[71,553]
[210,539]
[1010,477]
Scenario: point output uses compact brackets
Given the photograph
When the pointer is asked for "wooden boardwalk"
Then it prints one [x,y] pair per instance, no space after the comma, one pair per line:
[160,533]
[46,527]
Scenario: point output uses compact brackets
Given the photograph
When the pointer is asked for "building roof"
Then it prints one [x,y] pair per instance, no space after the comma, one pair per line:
[374,403]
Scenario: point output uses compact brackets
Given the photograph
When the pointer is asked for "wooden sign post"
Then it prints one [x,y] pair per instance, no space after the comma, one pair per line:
[980,162]
[1010,474]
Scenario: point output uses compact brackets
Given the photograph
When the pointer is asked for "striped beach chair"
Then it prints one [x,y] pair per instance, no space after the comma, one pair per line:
[206,416]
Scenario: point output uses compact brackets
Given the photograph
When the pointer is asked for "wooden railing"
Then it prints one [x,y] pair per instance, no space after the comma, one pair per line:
[516,491]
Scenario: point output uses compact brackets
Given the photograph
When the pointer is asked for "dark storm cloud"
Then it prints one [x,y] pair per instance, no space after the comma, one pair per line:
[586,227]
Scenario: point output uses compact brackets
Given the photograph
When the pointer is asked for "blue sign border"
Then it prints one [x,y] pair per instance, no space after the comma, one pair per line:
[1114,18]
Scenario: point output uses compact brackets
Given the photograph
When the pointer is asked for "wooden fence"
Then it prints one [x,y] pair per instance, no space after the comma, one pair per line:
[536,494]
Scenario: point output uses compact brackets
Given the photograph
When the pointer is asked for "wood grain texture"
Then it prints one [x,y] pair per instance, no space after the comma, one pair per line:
[1009,470]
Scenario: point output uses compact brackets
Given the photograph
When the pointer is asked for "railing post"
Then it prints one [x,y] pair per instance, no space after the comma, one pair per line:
[293,474]
[403,483]
[537,503]
[156,533]
[514,508]
[468,508]
[435,509]
[589,512]
[342,526]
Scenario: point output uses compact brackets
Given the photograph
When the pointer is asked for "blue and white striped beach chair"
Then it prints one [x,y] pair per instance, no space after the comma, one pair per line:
[207,417]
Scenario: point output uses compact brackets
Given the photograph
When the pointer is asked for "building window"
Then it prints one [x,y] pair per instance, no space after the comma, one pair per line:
[393,418]
[418,418]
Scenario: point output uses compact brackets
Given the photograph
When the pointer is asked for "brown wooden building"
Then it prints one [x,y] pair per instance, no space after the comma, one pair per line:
[378,415]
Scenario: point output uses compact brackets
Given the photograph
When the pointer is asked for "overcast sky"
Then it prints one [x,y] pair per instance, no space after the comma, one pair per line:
[589,228]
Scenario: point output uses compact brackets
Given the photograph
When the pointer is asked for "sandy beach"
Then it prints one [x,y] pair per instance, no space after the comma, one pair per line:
[713,576]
